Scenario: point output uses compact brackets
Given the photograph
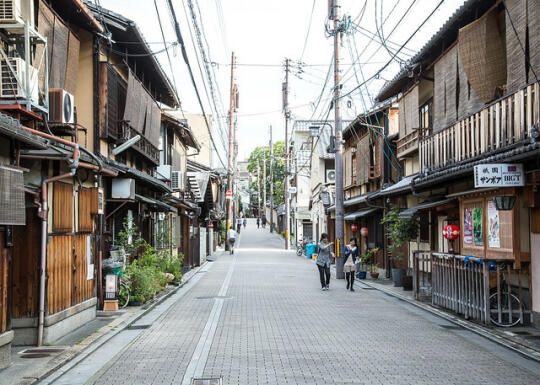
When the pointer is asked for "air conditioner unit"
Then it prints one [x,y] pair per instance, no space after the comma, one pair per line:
[123,188]
[17,12]
[12,81]
[177,180]
[163,172]
[61,106]
[330,176]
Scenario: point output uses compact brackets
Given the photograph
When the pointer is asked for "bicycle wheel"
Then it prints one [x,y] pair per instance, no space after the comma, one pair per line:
[506,304]
[124,292]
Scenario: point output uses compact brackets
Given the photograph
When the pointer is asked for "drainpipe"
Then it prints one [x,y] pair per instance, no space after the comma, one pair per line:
[44,222]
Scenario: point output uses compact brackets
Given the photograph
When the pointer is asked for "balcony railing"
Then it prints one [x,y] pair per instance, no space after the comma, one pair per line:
[143,146]
[498,127]
[409,143]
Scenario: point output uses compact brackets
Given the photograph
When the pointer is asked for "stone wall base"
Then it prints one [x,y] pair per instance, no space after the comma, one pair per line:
[55,326]
[5,349]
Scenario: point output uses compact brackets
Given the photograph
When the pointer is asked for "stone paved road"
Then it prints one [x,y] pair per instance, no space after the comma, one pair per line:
[259,317]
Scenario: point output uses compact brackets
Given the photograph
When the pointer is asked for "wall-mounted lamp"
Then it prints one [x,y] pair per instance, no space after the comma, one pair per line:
[504,202]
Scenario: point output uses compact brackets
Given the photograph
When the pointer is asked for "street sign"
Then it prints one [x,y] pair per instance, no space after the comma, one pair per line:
[228,194]
[292,190]
[499,175]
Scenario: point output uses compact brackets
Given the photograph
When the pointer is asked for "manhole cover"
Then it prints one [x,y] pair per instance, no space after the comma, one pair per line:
[214,297]
[136,327]
[35,355]
[451,327]
[206,381]
[42,350]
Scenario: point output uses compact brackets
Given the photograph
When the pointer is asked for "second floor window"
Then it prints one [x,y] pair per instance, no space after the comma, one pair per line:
[426,114]
[354,164]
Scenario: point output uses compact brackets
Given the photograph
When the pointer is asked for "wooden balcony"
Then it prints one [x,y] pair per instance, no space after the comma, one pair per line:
[503,124]
[143,146]
[408,145]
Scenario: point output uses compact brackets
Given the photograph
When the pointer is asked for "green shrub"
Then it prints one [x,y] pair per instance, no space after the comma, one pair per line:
[171,264]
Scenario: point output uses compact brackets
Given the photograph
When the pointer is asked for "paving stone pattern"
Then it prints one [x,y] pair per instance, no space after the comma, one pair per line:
[278,327]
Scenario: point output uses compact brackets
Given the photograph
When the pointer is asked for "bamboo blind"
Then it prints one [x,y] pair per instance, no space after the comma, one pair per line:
[4,268]
[444,98]
[409,116]
[362,157]
[482,57]
[516,75]
[72,64]
[57,69]
[62,208]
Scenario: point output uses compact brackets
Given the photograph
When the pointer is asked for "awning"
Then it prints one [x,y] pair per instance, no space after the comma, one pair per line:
[160,206]
[140,176]
[183,203]
[356,200]
[401,186]
[12,128]
[411,211]
[359,214]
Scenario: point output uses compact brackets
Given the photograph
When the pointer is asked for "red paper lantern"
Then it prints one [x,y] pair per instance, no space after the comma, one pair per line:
[451,232]
[364,231]
[354,228]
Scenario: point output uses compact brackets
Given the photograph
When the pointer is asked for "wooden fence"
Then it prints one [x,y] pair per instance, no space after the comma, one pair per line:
[472,288]
[501,125]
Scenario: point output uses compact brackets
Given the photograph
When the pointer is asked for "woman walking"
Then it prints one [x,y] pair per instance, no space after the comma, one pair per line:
[323,261]
[351,257]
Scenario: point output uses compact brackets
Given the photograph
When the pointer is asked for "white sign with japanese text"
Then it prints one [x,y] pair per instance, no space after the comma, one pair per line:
[498,175]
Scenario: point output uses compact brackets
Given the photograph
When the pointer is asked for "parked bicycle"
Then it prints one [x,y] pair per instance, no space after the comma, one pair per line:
[505,308]
[301,247]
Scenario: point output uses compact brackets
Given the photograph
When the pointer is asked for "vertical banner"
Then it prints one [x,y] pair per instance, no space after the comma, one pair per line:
[478,235]
[467,227]
[493,225]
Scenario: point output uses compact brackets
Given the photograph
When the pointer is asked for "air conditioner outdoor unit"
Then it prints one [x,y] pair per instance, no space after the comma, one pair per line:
[177,180]
[12,82]
[330,176]
[17,12]
[61,106]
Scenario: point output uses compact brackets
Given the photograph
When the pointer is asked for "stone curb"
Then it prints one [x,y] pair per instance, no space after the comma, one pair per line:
[96,340]
[477,329]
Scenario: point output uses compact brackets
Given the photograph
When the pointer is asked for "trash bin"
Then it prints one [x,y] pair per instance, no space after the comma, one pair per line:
[310,249]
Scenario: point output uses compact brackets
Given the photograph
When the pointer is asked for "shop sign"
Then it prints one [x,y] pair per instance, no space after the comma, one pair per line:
[498,175]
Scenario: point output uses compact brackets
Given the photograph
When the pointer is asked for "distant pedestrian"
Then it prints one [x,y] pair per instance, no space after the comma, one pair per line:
[258,222]
[231,234]
[238,225]
[245,223]
[351,258]
[264,221]
[323,261]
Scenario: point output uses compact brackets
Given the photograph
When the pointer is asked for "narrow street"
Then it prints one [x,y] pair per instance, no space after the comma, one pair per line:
[259,317]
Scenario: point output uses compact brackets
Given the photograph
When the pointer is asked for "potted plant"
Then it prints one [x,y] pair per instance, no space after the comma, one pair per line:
[136,300]
[374,271]
[364,259]
[398,230]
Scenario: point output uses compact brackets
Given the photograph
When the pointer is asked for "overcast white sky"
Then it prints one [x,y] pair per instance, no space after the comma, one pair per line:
[266,32]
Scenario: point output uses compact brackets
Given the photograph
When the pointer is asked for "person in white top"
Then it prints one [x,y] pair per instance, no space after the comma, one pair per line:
[231,234]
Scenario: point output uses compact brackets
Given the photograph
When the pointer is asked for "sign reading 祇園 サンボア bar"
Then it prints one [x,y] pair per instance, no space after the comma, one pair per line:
[498,175]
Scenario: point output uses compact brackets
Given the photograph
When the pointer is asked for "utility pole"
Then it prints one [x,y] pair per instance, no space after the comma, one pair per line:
[271,183]
[229,198]
[286,154]
[258,186]
[338,142]
[264,184]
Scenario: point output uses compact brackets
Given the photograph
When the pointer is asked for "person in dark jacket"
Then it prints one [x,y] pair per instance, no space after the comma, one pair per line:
[258,222]
[351,258]
[323,261]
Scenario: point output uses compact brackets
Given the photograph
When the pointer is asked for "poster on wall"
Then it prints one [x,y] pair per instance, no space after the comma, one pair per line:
[478,235]
[467,227]
[493,225]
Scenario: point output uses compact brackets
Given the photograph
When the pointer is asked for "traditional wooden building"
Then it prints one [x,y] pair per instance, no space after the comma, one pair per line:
[469,117]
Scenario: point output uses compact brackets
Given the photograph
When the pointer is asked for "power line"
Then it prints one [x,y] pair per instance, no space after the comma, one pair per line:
[186,60]
[309,29]
[398,51]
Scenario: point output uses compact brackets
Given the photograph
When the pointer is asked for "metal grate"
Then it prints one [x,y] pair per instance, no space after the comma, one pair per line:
[12,207]
[451,327]
[206,381]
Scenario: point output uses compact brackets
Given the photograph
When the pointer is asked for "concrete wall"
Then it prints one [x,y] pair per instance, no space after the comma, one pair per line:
[198,126]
